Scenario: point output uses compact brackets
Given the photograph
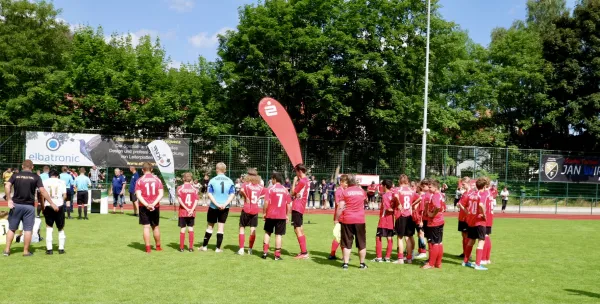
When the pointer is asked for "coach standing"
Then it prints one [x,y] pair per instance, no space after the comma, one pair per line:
[118,188]
[132,197]
[22,204]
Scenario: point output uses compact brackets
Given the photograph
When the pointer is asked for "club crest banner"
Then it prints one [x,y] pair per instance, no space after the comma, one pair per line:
[564,169]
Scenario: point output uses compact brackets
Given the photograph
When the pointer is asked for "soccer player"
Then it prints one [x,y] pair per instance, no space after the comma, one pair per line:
[351,213]
[476,220]
[149,191]
[421,210]
[339,196]
[221,191]
[371,195]
[134,177]
[463,227]
[276,211]
[58,192]
[187,195]
[118,188]
[385,227]
[405,226]
[252,192]
[489,215]
[44,176]
[82,184]
[300,195]
[68,180]
[435,224]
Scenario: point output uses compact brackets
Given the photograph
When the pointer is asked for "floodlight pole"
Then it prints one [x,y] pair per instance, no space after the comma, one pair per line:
[425,130]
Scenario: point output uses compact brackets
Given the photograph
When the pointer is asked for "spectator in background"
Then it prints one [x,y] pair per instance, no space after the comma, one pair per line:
[44,176]
[312,189]
[459,193]
[117,189]
[371,195]
[74,173]
[204,188]
[95,176]
[132,197]
[6,177]
[69,181]
[287,184]
[196,185]
[504,194]
[323,189]
[331,193]
[238,187]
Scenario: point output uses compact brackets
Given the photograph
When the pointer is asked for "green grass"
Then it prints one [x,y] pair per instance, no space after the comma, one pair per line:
[534,261]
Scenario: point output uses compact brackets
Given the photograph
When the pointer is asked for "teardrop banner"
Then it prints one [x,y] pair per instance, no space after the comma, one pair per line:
[280,122]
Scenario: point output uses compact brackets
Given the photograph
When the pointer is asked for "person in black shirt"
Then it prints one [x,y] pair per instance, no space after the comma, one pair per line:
[204,185]
[313,188]
[22,204]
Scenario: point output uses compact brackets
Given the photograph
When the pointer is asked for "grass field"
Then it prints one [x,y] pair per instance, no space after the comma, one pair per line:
[534,261]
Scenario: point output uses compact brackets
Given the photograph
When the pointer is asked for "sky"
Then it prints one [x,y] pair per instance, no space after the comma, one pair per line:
[189,28]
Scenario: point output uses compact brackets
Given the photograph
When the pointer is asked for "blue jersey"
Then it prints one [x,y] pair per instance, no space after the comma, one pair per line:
[134,179]
[44,176]
[67,178]
[220,187]
[82,183]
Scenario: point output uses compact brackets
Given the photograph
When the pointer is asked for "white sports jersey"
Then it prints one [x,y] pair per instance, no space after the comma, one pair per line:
[56,188]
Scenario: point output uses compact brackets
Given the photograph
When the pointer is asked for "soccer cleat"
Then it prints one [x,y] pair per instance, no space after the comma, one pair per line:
[61,251]
[4,253]
[345,266]
[421,256]
[250,251]
[483,263]
[203,249]
[363,266]
[49,252]
[181,250]
[158,248]
[301,256]
[79,218]
[28,254]
[278,258]
[387,260]
[398,261]
[148,251]
[377,260]
[264,256]
[480,267]
[241,251]
[427,266]
[86,218]
[332,258]
[467,264]
[218,250]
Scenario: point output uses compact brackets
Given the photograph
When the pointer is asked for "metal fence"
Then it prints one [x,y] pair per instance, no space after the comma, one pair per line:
[518,169]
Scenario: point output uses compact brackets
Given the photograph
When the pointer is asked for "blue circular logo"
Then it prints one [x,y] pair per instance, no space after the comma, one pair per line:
[52,144]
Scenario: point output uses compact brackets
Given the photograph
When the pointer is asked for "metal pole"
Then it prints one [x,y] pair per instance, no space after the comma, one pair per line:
[343,155]
[475,162]
[539,175]
[268,156]
[424,143]
[229,164]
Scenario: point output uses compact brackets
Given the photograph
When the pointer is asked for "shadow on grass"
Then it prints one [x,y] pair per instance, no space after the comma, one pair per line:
[451,259]
[576,292]
[321,258]
[137,246]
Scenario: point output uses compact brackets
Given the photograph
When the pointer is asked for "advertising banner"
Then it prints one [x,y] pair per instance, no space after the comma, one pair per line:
[164,160]
[564,169]
[77,149]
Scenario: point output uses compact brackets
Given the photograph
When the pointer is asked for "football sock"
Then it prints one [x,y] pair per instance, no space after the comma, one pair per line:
[487,248]
[148,248]
[278,252]
[265,248]
[85,211]
[68,211]
[440,255]
[334,247]
[49,238]
[468,253]
[388,252]
[79,211]
[241,240]
[478,256]
[432,254]
[191,236]
[207,236]
[181,240]
[302,241]
[252,239]
[219,240]
[421,243]
[378,247]
[62,237]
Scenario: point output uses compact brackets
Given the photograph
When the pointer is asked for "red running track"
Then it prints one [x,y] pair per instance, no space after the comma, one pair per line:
[167,208]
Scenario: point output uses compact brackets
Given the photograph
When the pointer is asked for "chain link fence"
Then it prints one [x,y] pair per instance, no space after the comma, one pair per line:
[517,169]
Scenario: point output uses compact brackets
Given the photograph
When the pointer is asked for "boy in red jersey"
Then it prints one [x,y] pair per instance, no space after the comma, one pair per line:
[424,230]
[405,226]
[489,215]
[477,220]
[462,213]
[252,192]
[300,194]
[371,195]
[435,225]
[339,196]
[385,227]
[351,214]
[149,191]
[187,196]
[276,212]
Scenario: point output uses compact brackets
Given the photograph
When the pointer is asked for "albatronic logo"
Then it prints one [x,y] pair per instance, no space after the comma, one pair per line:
[52,144]
[551,168]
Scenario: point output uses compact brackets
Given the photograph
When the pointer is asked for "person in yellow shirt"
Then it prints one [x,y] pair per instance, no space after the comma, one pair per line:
[6,176]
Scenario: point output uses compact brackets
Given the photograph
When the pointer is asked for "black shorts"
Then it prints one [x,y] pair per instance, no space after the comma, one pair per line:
[148,217]
[248,220]
[52,217]
[371,197]
[82,198]
[186,221]
[404,226]
[488,230]
[132,197]
[275,225]
[477,233]
[217,216]
[69,193]
[358,232]
[297,219]
[436,234]
[384,232]
[425,229]
[462,226]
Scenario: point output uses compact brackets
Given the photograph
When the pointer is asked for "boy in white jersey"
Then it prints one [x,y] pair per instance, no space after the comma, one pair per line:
[57,190]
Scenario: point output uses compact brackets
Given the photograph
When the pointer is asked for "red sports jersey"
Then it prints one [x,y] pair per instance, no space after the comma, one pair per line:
[149,185]
[386,219]
[475,216]
[381,190]
[406,197]
[436,202]
[278,198]
[339,196]
[354,213]
[489,210]
[252,194]
[372,189]
[301,191]
[425,198]
[464,201]
[188,195]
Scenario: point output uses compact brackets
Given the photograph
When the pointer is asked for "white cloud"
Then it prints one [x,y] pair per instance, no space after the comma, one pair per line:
[204,40]
[181,5]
